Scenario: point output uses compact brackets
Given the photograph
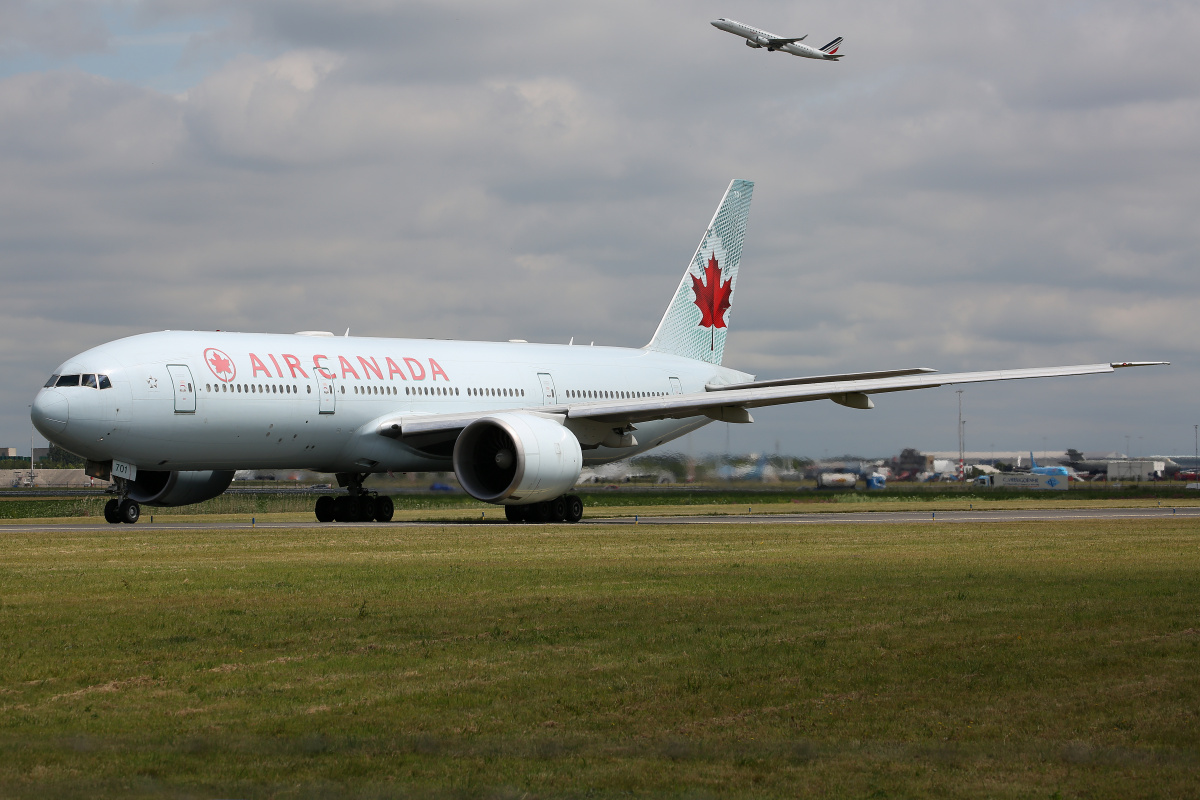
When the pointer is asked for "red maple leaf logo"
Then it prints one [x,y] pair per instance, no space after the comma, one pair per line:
[712,296]
[220,364]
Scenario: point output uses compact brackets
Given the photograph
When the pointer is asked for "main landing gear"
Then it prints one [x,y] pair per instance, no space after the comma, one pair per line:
[359,505]
[118,511]
[568,508]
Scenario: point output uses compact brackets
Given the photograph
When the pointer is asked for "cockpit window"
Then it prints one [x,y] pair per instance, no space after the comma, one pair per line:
[53,380]
[88,380]
[105,383]
[68,380]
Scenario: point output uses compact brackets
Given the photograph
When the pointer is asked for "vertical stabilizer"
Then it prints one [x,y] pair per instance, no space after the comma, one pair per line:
[698,317]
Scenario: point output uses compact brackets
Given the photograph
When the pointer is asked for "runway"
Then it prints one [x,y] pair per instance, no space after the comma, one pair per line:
[826,518]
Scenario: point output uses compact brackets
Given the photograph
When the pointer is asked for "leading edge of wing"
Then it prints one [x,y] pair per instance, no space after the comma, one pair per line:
[690,405]
[687,405]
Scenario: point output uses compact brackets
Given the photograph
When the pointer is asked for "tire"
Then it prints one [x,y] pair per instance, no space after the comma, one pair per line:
[574,508]
[324,509]
[364,508]
[384,508]
[129,511]
[515,513]
[557,509]
[538,512]
[112,514]
[343,509]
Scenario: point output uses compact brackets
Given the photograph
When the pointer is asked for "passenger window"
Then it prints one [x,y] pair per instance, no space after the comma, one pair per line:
[105,383]
[89,381]
[68,380]
[53,380]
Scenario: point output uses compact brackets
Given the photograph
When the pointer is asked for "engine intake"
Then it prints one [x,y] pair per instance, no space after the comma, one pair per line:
[178,488]
[516,459]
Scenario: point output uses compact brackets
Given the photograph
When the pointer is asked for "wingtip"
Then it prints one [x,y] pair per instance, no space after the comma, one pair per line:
[1120,364]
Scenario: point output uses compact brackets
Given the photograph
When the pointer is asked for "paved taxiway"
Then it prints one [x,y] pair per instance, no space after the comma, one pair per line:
[827,518]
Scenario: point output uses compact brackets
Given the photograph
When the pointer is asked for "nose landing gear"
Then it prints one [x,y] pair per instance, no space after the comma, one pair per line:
[122,510]
[358,505]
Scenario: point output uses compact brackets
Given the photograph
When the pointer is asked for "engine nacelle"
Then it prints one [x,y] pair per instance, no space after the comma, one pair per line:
[753,44]
[178,488]
[516,459]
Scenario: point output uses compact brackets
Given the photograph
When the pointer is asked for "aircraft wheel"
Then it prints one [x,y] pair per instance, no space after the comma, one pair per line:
[129,511]
[364,507]
[112,512]
[384,508]
[574,508]
[343,509]
[557,508]
[515,513]
[325,509]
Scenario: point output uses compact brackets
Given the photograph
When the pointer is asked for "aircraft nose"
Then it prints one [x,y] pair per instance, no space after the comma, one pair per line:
[50,412]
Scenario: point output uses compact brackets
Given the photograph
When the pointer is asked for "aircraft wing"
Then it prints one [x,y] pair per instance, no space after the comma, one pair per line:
[780,42]
[731,403]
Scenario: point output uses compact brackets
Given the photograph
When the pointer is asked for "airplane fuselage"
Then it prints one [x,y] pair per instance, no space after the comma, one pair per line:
[758,38]
[190,400]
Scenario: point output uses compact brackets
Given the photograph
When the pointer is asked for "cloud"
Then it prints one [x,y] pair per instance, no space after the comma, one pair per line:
[973,186]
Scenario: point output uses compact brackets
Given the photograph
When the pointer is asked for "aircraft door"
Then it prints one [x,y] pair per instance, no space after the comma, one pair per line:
[328,398]
[676,386]
[185,390]
[549,397]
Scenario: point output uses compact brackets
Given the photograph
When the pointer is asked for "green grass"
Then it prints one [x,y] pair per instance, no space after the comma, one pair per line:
[993,660]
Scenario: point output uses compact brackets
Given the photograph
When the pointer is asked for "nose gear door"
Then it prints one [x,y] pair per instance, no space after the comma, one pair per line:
[185,390]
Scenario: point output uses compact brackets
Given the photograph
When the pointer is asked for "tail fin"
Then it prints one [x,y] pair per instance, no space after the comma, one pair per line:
[832,48]
[695,322]
[1032,461]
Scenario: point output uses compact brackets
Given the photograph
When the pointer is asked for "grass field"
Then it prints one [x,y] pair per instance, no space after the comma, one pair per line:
[995,660]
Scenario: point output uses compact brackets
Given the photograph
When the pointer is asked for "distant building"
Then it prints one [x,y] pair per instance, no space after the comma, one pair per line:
[40,453]
[8,452]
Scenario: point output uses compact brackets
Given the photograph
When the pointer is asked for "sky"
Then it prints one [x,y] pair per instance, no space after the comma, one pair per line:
[975,185]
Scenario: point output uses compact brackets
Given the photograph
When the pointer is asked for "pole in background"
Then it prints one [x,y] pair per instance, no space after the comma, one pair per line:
[962,473]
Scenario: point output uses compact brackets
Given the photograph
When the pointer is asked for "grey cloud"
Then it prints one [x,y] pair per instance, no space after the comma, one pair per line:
[974,186]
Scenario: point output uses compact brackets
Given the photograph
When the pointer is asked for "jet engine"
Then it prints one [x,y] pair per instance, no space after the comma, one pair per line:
[178,488]
[516,459]
[753,44]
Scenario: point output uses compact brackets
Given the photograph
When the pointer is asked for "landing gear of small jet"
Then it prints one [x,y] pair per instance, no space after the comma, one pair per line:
[111,514]
[356,506]
[567,508]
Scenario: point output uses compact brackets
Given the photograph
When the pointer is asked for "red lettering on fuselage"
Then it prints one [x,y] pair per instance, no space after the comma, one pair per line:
[395,369]
[414,366]
[347,367]
[293,365]
[369,367]
[320,370]
[278,371]
[257,363]
[435,369]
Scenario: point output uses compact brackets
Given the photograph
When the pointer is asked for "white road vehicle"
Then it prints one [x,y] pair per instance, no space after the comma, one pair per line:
[170,417]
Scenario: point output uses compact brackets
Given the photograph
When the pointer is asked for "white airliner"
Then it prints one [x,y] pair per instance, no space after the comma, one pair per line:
[758,38]
[170,416]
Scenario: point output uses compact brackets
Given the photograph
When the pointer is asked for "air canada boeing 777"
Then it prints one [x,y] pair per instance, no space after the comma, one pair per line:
[170,416]
[758,38]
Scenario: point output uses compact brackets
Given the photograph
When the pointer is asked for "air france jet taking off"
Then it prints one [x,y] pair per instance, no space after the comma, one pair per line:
[757,38]
[170,416]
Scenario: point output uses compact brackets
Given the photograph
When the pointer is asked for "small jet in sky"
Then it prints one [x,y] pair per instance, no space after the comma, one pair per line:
[757,38]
